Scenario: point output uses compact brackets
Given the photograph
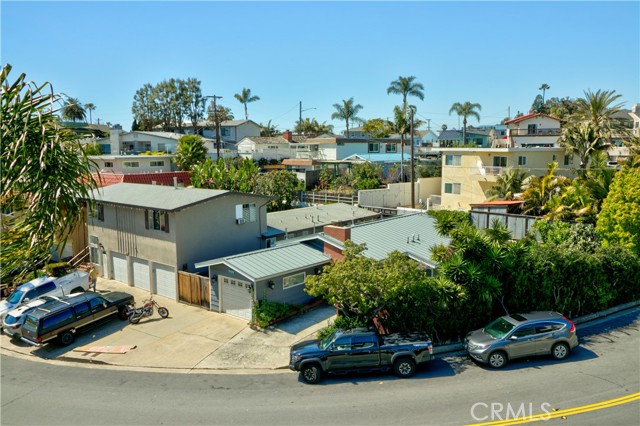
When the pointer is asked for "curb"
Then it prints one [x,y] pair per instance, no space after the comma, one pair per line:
[457,349]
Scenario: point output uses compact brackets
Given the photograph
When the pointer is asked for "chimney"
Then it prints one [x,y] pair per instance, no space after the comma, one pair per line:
[287,135]
[341,233]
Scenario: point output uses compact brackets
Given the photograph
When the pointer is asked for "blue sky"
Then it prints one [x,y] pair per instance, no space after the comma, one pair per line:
[493,53]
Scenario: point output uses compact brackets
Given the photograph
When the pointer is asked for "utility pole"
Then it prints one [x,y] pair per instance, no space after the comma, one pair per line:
[216,123]
[300,117]
[413,189]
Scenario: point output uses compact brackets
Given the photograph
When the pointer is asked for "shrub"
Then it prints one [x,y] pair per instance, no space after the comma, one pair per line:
[266,312]
[340,323]
[57,269]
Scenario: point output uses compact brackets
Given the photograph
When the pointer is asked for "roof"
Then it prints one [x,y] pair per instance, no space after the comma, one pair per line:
[532,115]
[274,139]
[165,178]
[450,135]
[267,263]
[412,234]
[159,197]
[303,218]
[168,135]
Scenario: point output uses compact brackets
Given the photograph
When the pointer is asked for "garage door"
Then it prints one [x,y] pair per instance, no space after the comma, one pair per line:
[140,273]
[165,278]
[236,297]
[119,265]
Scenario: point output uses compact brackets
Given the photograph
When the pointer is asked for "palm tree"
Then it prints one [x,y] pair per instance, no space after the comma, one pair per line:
[90,107]
[582,139]
[544,88]
[465,110]
[406,86]
[268,129]
[244,98]
[540,190]
[73,110]
[508,184]
[348,112]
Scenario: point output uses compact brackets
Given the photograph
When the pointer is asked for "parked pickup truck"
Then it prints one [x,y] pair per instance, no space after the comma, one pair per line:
[74,282]
[360,350]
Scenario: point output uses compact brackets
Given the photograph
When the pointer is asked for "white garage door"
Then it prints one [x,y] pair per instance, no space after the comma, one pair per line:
[236,297]
[140,273]
[165,277]
[119,265]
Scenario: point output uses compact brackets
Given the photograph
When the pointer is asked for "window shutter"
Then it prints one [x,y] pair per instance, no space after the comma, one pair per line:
[166,222]
[146,219]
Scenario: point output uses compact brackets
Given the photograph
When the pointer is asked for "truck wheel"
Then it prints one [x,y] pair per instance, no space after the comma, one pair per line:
[67,338]
[311,374]
[404,367]
[122,313]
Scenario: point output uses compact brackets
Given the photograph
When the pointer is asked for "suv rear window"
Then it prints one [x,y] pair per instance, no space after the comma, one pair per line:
[57,320]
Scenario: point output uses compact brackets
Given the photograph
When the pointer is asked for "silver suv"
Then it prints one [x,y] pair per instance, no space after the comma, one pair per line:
[522,335]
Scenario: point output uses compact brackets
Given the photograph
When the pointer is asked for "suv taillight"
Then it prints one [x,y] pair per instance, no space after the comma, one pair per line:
[573,326]
[39,340]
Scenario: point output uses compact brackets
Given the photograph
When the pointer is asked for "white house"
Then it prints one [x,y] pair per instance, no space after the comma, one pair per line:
[269,148]
[532,130]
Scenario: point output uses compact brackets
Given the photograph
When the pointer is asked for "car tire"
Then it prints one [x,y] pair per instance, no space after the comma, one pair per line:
[498,359]
[560,351]
[122,313]
[163,312]
[66,338]
[404,367]
[311,374]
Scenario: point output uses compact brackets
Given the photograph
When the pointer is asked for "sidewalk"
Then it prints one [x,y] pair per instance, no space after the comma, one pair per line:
[191,338]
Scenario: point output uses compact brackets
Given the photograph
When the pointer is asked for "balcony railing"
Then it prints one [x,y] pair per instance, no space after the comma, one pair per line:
[536,132]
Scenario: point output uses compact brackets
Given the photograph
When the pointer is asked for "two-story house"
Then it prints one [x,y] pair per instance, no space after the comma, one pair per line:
[532,130]
[270,148]
[143,234]
[231,131]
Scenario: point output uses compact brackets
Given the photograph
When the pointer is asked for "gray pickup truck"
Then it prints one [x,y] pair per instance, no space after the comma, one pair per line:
[360,350]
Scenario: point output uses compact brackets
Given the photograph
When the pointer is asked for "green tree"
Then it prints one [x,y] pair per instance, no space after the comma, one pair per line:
[45,175]
[144,109]
[92,149]
[193,101]
[406,86]
[227,174]
[191,150]
[540,189]
[465,110]
[377,128]
[365,176]
[244,98]
[538,105]
[347,111]
[560,108]
[310,126]
[619,220]
[269,129]
[544,87]
[282,184]
[73,110]
[508,183]
[90,107]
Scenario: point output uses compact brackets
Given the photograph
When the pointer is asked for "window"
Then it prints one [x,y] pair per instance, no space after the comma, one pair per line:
[157,164]
[532,129]
[246,213]
[293,280]
[57,320]
[108,163]
[524,332]
[225,131]
[568,160]
[374,147]
[554,158]
[82,310]
[363,342]
[131,164]
[452,160]
[391,147]
[156,219]
[97,304]
[46,288]
[522,160]
[499,161]
[342,343]
[97,212]
[452,188]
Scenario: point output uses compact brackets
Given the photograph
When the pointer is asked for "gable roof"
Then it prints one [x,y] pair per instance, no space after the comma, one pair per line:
[163,178]
[322,214]
[450,135]
[532,115]
[267,263]
[159,197]
[274,139]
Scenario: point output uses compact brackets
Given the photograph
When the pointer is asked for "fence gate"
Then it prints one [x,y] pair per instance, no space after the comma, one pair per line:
[193,289]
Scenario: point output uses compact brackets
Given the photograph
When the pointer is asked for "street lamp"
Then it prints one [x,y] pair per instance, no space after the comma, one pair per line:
[215,122]
[300,121]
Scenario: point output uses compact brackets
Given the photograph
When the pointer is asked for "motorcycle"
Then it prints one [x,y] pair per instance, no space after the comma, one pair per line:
[146,310]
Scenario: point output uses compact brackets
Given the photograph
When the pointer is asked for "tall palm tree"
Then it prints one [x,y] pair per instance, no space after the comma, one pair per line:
[268,129]
[90,107]
[582,139]
[544,88]
[465,110]
[73,110]
[508,183]
[406,86]
[347,111]
[244,98]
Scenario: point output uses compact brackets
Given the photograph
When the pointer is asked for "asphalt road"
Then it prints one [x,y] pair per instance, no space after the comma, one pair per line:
[448,391]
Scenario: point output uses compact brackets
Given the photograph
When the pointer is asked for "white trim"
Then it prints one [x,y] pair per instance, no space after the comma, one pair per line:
[287,287]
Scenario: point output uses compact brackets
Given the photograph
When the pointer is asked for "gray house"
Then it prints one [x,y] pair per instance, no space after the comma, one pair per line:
[276,274]
[143,234]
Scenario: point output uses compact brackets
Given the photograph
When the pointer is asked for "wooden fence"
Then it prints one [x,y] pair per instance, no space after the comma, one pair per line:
[328,197]
[194,289]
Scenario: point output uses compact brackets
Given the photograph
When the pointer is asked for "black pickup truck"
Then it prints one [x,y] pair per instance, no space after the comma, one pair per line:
[360,350]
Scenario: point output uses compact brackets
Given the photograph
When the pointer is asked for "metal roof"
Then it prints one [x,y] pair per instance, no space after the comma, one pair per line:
[326,214]
[267,263]
[379,158]
[413,234]
[159,197]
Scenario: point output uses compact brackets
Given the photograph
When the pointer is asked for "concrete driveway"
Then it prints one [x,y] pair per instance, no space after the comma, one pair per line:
[191,338]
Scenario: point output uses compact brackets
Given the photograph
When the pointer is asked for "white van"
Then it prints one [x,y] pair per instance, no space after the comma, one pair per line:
[74,282]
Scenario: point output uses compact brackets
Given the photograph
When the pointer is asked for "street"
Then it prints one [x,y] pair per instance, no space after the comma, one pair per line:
[448,391]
